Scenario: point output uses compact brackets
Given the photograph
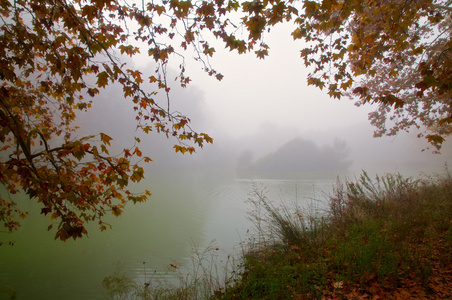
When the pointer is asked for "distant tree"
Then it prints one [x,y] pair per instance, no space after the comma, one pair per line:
[300,156]
[396,53]
[244,159]
[335,156]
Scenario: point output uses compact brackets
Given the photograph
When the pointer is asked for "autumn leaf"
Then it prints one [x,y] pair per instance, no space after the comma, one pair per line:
[102,79]
[105,139]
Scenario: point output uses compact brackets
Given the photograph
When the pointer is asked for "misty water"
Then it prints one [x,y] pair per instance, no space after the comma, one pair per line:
[186,210]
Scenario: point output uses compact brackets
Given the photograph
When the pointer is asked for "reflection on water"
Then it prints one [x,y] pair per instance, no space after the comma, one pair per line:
[184,210]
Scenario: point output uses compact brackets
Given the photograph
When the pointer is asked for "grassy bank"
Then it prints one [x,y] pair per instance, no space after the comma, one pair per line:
[383,238]
[389,238]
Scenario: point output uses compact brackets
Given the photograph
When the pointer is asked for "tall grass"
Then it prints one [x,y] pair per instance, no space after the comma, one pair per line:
[287,225]
[376,235]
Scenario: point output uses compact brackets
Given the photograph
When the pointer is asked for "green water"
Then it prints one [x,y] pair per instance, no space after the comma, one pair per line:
[184,210]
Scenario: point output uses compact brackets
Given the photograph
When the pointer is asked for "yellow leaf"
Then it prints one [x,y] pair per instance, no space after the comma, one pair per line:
[138,152]
[105,139]
[116,211]
[102,79]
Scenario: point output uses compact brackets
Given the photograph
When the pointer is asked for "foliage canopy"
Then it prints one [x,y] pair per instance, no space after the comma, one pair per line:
[57,55]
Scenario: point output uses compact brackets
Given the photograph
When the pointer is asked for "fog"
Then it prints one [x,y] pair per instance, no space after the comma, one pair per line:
[257,108]
[238,145]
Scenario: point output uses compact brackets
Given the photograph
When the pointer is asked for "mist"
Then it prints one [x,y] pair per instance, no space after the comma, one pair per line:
[259,106]
[235,152]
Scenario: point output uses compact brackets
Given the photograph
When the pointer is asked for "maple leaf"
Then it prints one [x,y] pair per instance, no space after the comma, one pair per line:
[102,79]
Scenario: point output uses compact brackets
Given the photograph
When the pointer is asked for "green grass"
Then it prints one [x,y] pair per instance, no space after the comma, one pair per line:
[378,236]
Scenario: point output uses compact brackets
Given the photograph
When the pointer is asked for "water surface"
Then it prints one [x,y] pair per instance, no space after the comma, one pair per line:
[184,210]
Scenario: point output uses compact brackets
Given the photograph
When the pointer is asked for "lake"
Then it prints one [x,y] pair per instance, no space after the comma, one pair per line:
[185,211]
